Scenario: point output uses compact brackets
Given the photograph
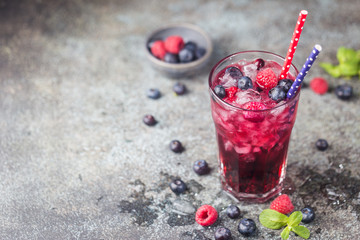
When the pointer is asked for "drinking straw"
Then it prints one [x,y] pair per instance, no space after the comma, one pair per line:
[305,69]
[293,44]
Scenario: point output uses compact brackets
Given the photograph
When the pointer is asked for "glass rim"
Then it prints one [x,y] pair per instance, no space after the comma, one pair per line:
[219,100]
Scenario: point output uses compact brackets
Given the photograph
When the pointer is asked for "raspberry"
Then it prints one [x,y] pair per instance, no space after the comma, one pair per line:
[266,79]
[158,49]
[254,116]
[173,44]
[319,85]
[206,215]
[230,93]
[282,204]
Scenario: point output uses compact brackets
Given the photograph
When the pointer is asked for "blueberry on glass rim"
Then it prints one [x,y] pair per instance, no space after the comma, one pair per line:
[220,91]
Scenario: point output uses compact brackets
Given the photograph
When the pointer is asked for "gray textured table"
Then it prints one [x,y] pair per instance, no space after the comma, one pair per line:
[78,163]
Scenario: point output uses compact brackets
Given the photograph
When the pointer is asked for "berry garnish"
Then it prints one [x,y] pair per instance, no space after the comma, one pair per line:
[149,120]
[234,72]
[282,204]
[222,233]
[186,55]
[266,79]
[233,211]
[171,58]
[206,215]
[245,83]
[220,91]
[319,85]
[191,46]
[176,146]
[153,93]
[179,88]
[173,44]
[254,116]
[201,167]
[277,93]
[247,227]
[322,144]
[158,49]
[286,84]
[177,186]
[230,92]
[200,52]
[308,215]
[259,63]
[344,92]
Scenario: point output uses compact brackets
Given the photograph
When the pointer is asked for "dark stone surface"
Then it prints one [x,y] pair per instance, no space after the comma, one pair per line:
[77,162]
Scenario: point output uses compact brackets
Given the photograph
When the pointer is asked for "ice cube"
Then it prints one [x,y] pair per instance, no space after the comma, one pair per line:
[227,81]
[250,71]
[245,96]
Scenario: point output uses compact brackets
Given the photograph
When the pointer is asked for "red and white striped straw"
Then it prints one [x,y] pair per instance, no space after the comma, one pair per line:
[294,41]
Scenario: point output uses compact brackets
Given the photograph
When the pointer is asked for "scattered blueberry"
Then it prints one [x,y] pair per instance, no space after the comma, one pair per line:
[222,233]
[344,92]
[177,186]
[191,46]
[322,144]
[200,52]
[176,146]
[149,120]
[220,91]
[277,93]
[234,72]
[171,58]
[201,167]
[308,215]
[153,93]
[247,227]
[233,211]
[179,88]
[285,83]
[245,83]
[259,63]
[186,55]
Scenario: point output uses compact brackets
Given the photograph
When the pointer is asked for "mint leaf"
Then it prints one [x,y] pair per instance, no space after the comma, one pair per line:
[331,69]
[348,69]
[301,231]
[346,55]
[285,233]
[295,218]
[272,219]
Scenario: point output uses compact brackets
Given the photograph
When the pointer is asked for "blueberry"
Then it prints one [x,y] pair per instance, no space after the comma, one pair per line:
[233,211]
[191,46]
[149,120]
[186,55]
[171,58]
[247,227]
[222,233]
[245,83]
[220,91]
[344,92]
[277,93]
[285,83]
[153,93]
[322,144]
[201,167]
[308,215]
[234,72]
[200,52]
[179,88]
[259,63]
[177,186]
[176,146]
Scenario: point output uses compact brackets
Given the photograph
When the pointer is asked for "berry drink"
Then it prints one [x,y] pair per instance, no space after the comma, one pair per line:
[253,122]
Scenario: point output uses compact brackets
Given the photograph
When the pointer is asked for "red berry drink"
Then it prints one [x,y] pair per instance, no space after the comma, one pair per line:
[253,122]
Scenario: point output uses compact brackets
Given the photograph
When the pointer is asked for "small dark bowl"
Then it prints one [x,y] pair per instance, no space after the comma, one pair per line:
[188,32]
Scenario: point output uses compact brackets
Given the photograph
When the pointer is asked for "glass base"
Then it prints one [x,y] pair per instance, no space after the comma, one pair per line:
[254,198]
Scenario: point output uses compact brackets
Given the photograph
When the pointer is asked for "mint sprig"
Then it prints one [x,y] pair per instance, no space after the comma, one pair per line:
[274,220]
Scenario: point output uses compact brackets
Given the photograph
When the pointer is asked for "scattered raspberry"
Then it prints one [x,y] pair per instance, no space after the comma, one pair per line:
[254,116]
[230,93]
[282,204]
[206,215]
[158,49]
[266,79]
[173,44]
[319,85]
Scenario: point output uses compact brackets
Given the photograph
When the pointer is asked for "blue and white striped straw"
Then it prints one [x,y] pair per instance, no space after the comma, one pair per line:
[305,69]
